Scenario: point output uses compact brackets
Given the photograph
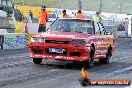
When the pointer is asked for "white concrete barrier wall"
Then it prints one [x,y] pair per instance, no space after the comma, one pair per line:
[2,31]
[33,27]
[121,34]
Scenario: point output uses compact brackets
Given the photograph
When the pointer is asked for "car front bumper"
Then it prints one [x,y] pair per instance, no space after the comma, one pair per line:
[73,53]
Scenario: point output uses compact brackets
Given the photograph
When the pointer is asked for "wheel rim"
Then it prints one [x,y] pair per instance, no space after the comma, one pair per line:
[108,58]
[91,61]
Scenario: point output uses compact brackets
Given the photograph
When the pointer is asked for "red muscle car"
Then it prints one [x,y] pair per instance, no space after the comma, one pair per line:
[72,39]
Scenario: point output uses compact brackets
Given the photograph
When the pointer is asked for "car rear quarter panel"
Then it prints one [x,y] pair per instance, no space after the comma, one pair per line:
[101,43]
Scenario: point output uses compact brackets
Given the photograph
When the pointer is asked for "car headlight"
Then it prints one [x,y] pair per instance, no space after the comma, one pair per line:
[77,42]
[37,40]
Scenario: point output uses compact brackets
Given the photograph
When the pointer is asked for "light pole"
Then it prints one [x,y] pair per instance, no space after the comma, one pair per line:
[100,6]
[120,6]
[80,4]
[59,3]
[41,2]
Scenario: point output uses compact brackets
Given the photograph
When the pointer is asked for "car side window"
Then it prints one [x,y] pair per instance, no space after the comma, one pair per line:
[86,27]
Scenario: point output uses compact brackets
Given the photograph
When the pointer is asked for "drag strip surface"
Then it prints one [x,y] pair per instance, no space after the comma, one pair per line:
[7,56]
[18,71]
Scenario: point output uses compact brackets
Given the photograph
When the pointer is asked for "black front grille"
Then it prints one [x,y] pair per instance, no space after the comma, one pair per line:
[38,51]
[56,42]
[75,54]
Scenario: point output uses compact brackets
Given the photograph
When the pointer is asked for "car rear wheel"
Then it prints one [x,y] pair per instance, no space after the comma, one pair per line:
[107,59]
[37,60]
[89,63]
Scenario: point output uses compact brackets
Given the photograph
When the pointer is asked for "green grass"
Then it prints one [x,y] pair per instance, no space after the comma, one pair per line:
[108,5]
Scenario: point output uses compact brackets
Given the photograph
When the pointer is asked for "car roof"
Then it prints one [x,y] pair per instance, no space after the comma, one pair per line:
[75,19]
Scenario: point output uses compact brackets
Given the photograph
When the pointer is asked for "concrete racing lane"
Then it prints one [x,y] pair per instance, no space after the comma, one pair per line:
[18,71]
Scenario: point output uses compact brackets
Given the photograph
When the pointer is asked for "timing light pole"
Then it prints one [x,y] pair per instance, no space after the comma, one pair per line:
[59,3]
[120,6]
[100,6]
[41,2]
[80,4]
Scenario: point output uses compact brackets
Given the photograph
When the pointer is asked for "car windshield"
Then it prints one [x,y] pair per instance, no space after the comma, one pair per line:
[72,25]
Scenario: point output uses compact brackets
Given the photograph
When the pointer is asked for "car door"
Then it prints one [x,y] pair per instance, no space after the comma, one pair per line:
[102,39]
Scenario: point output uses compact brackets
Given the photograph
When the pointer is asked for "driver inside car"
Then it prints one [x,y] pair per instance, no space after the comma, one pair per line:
[65,27]
[79,27]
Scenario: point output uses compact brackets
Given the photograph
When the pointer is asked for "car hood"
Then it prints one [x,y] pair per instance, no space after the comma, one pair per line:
[64,35]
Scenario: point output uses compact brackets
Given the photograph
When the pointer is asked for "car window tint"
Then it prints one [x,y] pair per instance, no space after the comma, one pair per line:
[52,16]
[72,26]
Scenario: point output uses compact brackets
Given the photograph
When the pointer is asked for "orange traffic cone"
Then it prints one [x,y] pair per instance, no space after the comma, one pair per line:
[26,27]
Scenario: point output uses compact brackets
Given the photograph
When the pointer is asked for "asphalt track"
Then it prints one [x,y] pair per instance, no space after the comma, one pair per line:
[18,71]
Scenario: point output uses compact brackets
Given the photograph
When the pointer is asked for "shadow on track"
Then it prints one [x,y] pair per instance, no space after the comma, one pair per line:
[69,65]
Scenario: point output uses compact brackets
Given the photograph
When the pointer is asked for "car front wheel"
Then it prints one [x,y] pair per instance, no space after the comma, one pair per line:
[37,60]
[89,63]
[107,59]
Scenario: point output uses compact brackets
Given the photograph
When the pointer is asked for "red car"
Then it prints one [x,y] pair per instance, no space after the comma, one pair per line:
[72,39]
